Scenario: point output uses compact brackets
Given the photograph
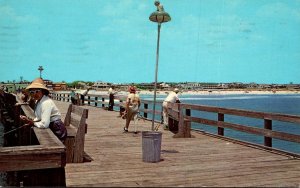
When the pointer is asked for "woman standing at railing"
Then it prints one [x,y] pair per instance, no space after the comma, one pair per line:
[46,112]
[133,103]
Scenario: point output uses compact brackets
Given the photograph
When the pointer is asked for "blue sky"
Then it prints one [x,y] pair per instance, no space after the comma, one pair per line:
[114,41]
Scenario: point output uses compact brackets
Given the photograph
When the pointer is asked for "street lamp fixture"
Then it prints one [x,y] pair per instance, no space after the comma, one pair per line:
[40,69]
[159,16]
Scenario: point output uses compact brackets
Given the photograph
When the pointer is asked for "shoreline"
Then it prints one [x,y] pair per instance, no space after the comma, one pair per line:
[207,92]
[226,92]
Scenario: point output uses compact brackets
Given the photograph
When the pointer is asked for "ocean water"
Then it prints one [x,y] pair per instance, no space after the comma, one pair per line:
[274,103]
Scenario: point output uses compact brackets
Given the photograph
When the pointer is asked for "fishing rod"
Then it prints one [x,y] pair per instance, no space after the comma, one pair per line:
[156,127]
[16,129]
[139,117]
[20,127]
[17,104]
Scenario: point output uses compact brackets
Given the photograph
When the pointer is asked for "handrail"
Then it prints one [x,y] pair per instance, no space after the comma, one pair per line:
[101,100]
[182,112]
[267,117]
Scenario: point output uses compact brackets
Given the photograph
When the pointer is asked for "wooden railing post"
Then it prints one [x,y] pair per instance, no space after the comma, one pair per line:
[145,108]
[184,126]
[17,114]
[220,129]
[180,122]
[83,100]
[188,112]
[187,124]
[122,109]
[96,99]
[268,125]
[89,98]
[103,99]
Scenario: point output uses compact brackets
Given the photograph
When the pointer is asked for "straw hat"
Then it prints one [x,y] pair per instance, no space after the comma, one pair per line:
[38,83]
[131,89]
[176,90]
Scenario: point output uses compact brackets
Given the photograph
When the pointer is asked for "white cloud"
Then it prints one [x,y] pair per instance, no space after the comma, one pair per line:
[280,10]
[9,15]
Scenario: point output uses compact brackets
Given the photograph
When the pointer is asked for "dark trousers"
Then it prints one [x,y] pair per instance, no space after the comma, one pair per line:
[111,102]
[74,101]
[59,129]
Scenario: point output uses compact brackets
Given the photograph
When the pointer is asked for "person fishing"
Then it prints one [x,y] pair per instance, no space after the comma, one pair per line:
[111,94]
[45,110]
[171,98]
[74,97]
[82,96]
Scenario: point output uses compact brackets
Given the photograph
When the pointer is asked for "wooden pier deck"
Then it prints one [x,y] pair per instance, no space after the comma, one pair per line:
[187,162]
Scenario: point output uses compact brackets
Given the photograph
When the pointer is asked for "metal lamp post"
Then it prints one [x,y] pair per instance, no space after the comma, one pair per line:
[40,69]
[159,16]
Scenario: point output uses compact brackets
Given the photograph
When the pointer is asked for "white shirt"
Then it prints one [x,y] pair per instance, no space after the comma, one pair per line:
[133,98]
[110,91]
[46,111]
[172,97]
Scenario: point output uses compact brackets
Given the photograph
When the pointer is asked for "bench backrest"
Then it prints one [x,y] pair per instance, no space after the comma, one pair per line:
[75,122]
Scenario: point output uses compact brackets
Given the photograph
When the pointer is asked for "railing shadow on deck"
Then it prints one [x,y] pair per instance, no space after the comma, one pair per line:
[30,156]
[181,116]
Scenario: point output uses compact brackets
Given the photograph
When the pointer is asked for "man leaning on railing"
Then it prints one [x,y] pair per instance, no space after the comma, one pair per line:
[171,98]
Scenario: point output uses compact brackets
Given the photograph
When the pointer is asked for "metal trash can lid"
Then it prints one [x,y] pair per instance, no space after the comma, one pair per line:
[151,134]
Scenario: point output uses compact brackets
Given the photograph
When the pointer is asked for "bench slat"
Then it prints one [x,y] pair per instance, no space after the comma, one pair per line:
[80,111]
[75,122]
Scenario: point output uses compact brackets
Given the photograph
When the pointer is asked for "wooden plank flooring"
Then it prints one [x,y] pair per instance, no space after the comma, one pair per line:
[192,162]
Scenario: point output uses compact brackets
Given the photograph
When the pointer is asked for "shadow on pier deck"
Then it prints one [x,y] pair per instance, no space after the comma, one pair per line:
[199,161]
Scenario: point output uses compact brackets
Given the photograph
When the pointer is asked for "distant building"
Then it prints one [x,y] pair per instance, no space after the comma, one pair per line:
[101,85]
[59,86]
[264,86]
[49,84]
[252,85]
[164,86]
[55,86]
[236,85]
[293,86]
[190,86]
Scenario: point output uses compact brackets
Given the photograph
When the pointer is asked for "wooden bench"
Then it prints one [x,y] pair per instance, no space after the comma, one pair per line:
[75,122]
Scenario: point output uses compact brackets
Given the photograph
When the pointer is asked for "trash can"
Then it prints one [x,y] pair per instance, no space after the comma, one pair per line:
[151,146]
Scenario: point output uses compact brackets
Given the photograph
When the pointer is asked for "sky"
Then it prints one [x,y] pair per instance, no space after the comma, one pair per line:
[114,41]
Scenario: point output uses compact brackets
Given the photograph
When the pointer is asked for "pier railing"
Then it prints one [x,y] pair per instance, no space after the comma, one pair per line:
[182,115]
[102,101]
[30,156]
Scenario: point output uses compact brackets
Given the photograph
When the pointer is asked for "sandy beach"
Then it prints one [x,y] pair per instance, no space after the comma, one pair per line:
[226,92]
[208,92]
